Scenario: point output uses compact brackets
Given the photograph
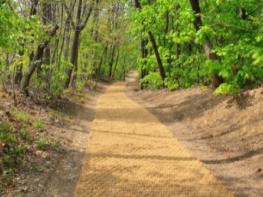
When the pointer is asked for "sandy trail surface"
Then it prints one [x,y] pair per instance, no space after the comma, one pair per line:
[131,153]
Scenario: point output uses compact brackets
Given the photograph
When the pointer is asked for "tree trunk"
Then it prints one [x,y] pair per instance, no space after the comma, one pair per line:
[67,39]
[116,63]
[81,22]
[155,47]
[75,48]
[112,60]
[102,59]
[36,61]
[74,59]
[19,71]
[216,79]
[157,55]
[33,9]
[144,55]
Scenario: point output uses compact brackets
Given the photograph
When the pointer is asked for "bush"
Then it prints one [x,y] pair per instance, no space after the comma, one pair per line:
[38,124]
[21,116]
[26,135]
[227,89]
[152,81]
[171,84]
[45,143]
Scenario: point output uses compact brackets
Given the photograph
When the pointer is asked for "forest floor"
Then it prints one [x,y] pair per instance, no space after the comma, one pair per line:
[44,170]
[224,133]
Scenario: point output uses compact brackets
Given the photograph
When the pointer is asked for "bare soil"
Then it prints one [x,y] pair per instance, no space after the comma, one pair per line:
[224,132]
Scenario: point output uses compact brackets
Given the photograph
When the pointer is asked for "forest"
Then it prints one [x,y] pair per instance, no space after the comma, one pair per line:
[49,46]
[52,48]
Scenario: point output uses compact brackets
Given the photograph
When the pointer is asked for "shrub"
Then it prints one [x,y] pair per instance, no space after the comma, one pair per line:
[152,81]
[227,89]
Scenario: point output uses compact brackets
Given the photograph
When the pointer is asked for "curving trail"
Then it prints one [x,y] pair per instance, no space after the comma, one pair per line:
[130,153]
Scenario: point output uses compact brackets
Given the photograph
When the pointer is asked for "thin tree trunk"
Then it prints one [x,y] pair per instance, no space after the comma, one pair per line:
[144,55]
[74,59]
[104,54]
[123,68]
[75,48]
[112,60]
[116,64]
[157,55]
[67,41]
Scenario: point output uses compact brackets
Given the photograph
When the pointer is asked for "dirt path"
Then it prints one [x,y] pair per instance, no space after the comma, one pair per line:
[130,153]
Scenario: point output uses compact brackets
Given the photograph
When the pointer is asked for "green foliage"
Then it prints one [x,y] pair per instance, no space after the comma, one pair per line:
[227,89]
[171,84]
[27,119]
[24,134]
[110,44]
[235,37]
[21,116]
[38,124]
[58,79]
[153,81]
[13,150]
[204,33]
[45,143]
[5,136]
[8,25]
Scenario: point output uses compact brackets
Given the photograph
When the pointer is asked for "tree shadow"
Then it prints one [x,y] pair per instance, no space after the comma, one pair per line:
[81,111]
[63,178]
[192,107]
[140,157]
[244,156]
[128,115]
[72,109]
[130,134]
[122,178]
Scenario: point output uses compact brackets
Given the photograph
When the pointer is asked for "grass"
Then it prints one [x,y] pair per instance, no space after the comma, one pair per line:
[82,100]
[37,168]
[26,136]
[38,124]
[45,143]
[21,116]
[7,180]
[11,156]
[6,136]
[56,114]
[18,140]
[27,118]
[14,143]
[13,150]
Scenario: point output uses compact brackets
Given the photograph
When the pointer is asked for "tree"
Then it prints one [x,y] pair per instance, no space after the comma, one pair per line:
[155,47]
[82,17]
[36,58]
[217,80]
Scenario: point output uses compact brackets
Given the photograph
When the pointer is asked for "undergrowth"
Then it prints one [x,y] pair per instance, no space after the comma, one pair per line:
[19,139]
